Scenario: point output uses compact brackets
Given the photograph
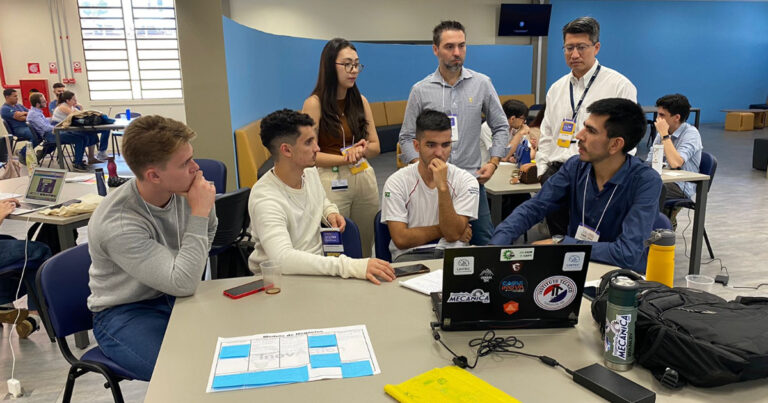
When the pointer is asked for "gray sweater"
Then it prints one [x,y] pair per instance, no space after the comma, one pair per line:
[138,256]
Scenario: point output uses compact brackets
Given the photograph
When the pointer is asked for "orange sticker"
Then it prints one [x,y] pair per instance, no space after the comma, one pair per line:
[511,307]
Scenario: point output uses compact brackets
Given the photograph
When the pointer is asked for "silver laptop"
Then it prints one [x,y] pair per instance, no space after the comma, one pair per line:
[45,185]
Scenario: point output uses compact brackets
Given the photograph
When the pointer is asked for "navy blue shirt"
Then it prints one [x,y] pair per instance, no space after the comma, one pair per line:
[627,222]
[7,112]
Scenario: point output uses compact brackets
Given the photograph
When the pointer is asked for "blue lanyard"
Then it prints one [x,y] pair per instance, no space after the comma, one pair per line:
[589,85]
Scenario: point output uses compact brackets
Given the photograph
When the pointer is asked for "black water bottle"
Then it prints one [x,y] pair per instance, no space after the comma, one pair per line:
[100,185]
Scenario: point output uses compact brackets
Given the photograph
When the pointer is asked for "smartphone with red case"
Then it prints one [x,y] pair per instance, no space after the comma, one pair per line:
[246,289]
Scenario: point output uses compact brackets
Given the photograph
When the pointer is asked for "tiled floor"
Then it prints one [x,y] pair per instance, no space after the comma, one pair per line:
[737,224]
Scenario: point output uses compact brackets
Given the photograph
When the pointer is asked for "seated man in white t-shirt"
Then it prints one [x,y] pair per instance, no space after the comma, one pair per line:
[428,205]
[288,204]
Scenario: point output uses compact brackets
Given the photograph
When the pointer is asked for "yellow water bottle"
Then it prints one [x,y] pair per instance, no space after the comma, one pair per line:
[661,257]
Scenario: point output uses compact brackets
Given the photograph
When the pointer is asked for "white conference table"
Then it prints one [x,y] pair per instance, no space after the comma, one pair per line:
[499,185]
[119,124]
[65,226]
[397,320]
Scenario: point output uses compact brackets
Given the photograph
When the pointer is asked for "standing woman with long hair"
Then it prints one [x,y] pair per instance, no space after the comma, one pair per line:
[345,122]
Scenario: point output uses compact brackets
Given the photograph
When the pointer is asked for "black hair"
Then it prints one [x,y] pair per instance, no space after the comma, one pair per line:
[58,85]
[625,119]
[676,104]
[431,120]
[282,126]
[539,117]
[515,108]
[325,89]
[64,97]
[583,25]
[445,26]
[33,90]
[8,91]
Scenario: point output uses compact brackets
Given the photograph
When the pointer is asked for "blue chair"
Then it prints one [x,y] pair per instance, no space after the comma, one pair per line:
[232,212]
[351,239]
[381,239]
[214,171]
[707,166]
[62,283]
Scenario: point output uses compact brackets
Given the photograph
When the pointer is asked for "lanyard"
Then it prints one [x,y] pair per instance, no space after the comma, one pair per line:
[584,202]
[584,94]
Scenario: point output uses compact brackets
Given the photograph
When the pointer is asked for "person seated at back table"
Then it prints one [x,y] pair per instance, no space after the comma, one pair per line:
[58,89]
[412,193]
[613,196]
[149,241]
[682,145]
[67,105]
[288,204]
[516,113]
[15,115]
[37,121]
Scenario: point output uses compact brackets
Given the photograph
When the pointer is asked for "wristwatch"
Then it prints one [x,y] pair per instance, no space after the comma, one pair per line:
[665,137]
[556,239]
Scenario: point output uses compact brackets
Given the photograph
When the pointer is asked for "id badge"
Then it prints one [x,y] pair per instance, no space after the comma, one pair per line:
[360,166]
[567,128]
[454,127]
[332,242]
[339,185]
[584,233]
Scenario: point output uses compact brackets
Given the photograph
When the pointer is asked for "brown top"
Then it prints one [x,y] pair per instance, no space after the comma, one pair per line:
[331,143]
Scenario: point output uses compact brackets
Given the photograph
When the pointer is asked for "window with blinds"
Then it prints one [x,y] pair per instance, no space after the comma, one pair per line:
[131,49]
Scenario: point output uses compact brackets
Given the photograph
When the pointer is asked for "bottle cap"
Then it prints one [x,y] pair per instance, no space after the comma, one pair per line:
[622,291]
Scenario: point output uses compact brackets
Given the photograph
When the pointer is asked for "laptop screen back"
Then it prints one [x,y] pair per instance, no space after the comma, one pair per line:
[45,185]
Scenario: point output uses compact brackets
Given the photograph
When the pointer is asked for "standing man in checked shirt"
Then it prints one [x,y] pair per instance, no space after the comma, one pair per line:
[567,101]
[464,95]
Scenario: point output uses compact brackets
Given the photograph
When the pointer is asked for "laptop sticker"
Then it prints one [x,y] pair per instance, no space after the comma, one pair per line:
[486,275]
[516,254]
[477,295]
[463,265]
[555,293]
[511,307]
[516,267]
[573,261]
[513,286]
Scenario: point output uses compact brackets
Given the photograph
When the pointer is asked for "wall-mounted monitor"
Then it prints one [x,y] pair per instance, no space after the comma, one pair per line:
[524,19]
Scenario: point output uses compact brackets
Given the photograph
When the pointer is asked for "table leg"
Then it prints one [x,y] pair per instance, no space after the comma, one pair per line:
[698,226]
[495,209]
[59,154]
[66,241]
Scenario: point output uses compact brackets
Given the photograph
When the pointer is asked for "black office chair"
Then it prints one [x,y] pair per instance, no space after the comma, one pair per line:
[214,171]
[13,137]
[232,212]
[707,166]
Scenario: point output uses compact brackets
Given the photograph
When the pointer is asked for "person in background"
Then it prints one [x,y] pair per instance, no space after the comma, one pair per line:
[464,95]
[288,204]
[67,105]
[12,251]
[614,196]
[412,193]
[516,112]
[347,137]
[149,241]
[15,115]
[40,124]
[58,89]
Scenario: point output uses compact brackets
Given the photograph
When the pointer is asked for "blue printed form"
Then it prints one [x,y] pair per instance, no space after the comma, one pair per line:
[290,357]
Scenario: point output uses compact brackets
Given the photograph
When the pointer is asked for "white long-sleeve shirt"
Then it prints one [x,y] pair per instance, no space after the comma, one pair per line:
[608,84]
[285,224]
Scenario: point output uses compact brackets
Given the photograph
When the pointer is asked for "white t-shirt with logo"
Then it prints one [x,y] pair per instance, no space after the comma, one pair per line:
[406,198]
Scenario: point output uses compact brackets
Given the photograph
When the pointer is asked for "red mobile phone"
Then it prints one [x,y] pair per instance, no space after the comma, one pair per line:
[409,270]
[246,289]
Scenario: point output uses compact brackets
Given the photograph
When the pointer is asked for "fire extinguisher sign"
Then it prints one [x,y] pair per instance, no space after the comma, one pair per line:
[33,68]
[77,67]
[52,68]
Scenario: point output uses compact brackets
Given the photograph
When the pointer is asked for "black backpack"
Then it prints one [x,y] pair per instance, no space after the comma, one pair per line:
[685,335]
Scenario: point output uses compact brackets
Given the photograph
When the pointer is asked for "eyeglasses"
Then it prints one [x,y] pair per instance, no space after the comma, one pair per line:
[581,48]
[348,66]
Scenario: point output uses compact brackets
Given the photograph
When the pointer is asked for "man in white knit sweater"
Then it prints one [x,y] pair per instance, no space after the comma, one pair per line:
[288,205]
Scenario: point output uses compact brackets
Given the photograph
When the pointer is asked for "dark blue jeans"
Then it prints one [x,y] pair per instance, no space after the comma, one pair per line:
[77,140]
[12,251]
[23,133]
[104,139]
[131,334]
[482,228]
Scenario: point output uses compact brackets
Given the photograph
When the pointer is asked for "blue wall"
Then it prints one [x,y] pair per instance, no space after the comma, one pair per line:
[268,72]
[715,53]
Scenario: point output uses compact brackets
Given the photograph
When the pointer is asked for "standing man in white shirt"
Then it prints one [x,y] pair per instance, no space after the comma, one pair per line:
[411,194]
[568,99]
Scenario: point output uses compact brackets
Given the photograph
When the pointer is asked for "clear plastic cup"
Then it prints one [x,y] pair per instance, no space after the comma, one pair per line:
[272,275]
[700,282]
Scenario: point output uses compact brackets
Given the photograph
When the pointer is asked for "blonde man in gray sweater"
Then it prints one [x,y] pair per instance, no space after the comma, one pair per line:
[148,241]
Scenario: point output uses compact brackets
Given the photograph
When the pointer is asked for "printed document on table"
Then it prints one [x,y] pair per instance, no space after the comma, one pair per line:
[290,357]
[426,283]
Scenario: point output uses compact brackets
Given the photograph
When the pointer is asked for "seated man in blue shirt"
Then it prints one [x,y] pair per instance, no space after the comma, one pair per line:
[682,144]
[43,127]
[58,89]
[613,196]
[15,114]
